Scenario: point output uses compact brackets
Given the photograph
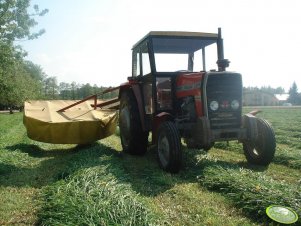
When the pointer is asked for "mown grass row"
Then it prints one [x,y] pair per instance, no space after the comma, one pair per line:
[94,191]
[91,198]
[287,156]
[98,185]
[250,191]
[286,123]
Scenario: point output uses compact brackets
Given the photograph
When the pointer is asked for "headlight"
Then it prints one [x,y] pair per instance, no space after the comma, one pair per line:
[213,105]
[234,104]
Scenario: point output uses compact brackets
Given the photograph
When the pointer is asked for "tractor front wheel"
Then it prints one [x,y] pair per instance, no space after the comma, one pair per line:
[260,149]
[133,139]
[169,147]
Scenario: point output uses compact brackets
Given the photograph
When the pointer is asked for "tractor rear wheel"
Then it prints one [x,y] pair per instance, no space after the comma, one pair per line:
[169,147]
[133,139]
[261,149]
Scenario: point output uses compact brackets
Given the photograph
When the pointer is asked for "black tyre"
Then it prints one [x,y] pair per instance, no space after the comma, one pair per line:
[133,139]
[261,150]
[169,147]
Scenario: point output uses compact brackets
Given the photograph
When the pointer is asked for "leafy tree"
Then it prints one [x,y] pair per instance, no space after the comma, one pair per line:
[80,91]
[17,86]
[51,88]
[74,89]
[85,90]
[269,89]
[65,91]
[19,80]
[16,21]
[35,71]
[279,90]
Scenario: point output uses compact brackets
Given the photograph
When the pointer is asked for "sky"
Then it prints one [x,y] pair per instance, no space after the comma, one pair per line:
[90,41]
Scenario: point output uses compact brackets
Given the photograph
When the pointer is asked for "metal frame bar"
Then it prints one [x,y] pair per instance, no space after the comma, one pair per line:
[81,101]
[105,103]
[95,105]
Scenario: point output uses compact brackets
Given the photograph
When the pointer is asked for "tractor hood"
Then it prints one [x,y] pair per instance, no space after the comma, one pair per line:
[189,84]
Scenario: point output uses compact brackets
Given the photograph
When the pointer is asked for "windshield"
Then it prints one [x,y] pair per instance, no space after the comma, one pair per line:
[181,54]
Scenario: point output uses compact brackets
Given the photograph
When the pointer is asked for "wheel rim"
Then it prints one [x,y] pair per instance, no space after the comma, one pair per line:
[124,124]
[256,150]
[163,150]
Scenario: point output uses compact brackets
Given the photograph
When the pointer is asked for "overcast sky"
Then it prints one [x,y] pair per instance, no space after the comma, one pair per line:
[90,41]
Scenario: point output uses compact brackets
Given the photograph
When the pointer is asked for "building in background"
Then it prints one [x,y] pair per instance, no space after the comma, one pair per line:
[261,98]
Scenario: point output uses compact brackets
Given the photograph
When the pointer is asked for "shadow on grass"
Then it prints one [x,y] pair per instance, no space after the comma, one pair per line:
[141,172]
[38,152]
[147,179]
[51,165]
[6,168]
[45,166]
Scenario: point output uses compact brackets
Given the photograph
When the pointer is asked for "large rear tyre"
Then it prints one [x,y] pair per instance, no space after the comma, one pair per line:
[133,139]
[260,150]
[169,147]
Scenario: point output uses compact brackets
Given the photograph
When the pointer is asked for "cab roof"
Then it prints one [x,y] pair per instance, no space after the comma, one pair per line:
[177,34]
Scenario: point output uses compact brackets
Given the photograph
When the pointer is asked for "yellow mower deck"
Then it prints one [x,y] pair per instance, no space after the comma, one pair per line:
[80,124]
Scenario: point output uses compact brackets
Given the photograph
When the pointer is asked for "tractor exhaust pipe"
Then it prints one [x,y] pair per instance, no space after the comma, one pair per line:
[221,62]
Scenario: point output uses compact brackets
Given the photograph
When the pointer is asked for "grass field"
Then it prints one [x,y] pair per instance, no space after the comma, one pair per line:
[47,184]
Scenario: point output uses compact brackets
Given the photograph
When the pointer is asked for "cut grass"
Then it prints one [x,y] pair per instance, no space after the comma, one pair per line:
[250,191]
[288,156]
[190,204]
[92,197]
[18,206]
[99,185]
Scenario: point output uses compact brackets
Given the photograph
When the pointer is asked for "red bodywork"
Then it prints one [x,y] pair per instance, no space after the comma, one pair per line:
[190,85]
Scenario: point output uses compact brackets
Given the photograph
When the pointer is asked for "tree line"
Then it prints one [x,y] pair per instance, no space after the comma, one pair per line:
[72,91]
[267,89]
[21,79]
[293,98]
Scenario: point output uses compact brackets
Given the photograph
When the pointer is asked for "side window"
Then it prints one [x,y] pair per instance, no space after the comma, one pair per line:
[198,61]
[136,63]
[211,56]
[146,69]
[141,66]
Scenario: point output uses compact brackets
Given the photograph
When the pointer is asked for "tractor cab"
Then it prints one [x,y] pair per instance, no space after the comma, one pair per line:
[160,57]
[173,95]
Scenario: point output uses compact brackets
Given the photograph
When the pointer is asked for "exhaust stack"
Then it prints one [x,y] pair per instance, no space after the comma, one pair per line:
[221,62]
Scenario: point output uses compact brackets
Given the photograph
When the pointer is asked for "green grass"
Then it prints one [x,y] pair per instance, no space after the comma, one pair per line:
[249,191]
[97,197]
[47,184]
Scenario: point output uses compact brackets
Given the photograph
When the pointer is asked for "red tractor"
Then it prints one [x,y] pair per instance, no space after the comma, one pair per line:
[173,96]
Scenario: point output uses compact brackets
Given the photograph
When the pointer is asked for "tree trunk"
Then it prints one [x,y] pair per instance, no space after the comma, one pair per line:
[11,110]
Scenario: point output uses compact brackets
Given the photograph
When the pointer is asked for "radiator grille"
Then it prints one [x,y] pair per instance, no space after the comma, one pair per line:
[224,87]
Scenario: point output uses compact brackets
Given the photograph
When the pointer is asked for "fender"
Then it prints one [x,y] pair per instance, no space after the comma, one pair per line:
[125,86]
[134,86]
[249,122]
[157,121]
